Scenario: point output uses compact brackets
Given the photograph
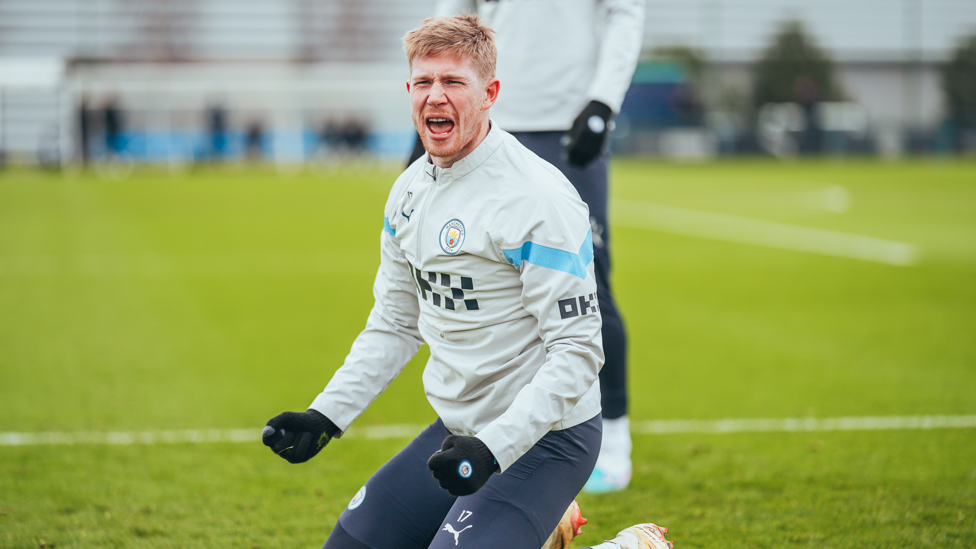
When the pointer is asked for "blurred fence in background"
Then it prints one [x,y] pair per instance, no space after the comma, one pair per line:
[301,80]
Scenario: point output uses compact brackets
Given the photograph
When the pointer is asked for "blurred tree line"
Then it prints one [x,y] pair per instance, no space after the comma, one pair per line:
[794,69]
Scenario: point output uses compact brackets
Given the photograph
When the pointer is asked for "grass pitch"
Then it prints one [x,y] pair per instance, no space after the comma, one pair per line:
[221,297]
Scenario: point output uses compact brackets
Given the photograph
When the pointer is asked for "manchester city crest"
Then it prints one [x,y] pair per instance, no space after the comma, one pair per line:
[357,500]
[452,236]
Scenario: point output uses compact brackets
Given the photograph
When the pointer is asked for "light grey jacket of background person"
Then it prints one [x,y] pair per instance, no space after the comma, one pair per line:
[553,60]
[490,263]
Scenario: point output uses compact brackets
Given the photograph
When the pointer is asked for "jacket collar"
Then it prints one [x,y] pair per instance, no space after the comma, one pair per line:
[470,162]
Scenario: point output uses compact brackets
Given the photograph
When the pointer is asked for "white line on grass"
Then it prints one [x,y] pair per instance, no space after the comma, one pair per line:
[744,230]
[677,426]
[878,423]
[190,435]
[312,262]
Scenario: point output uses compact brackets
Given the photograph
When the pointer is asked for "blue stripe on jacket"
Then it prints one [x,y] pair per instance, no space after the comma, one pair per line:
[551,258]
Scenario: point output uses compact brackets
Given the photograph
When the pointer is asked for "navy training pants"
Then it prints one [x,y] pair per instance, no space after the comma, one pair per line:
[402,507]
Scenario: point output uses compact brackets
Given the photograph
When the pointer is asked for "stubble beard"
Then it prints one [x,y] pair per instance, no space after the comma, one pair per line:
[441,149]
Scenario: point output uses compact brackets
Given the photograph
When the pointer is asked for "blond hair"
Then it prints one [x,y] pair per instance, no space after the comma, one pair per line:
[463,36]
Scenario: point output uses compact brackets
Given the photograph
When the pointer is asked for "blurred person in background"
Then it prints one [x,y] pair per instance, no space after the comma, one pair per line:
[686,105]
[330,137]
[344,139]
[113,127]
[217,129]
[808,97]
[566,66]
[354,135]
[253,137]
[84,129]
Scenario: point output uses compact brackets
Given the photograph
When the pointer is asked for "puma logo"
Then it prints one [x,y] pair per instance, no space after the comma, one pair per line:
[457,533]
[407,215]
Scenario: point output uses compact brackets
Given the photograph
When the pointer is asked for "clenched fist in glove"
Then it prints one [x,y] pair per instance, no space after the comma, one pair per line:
[298,436]
[589,132]
[463,465]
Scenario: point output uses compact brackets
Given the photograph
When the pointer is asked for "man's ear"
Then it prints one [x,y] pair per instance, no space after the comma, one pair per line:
[491,93]
[408,86]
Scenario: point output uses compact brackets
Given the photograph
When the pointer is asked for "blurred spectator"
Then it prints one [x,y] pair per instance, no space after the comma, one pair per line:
[348,138]
[217,127]
[84,129]
[354,135]
[331,136]
[686,105]
[685,101]
[113,126]
[253,136]
[807,95]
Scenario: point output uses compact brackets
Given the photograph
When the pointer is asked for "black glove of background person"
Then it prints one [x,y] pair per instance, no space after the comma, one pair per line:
[589,132]
[298,436]
[463,465]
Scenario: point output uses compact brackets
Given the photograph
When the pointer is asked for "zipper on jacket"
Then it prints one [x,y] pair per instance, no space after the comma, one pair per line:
[423,212]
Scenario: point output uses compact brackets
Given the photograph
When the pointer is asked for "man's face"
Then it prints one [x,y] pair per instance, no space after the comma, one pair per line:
[449,104]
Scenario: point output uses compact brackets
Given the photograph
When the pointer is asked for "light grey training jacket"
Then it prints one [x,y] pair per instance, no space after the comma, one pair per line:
[490,263]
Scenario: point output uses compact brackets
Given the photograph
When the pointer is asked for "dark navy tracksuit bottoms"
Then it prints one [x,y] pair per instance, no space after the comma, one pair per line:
[402,507]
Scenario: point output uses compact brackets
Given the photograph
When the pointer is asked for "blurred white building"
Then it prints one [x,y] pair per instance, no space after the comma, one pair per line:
[291,66]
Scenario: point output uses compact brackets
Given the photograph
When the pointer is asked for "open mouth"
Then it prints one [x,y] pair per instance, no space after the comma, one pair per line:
[439,127]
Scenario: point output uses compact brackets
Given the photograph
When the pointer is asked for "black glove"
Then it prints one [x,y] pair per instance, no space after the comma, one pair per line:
[463,465]
[589,132]
[298,436]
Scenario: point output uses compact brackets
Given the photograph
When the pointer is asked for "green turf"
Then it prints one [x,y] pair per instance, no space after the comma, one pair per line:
[219,297]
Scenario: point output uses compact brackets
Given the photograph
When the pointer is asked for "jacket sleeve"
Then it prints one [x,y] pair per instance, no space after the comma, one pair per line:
[555,257]
[381,351]
[619,51]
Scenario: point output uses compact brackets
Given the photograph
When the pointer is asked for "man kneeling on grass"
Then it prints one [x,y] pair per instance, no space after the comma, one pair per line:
[486,255]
